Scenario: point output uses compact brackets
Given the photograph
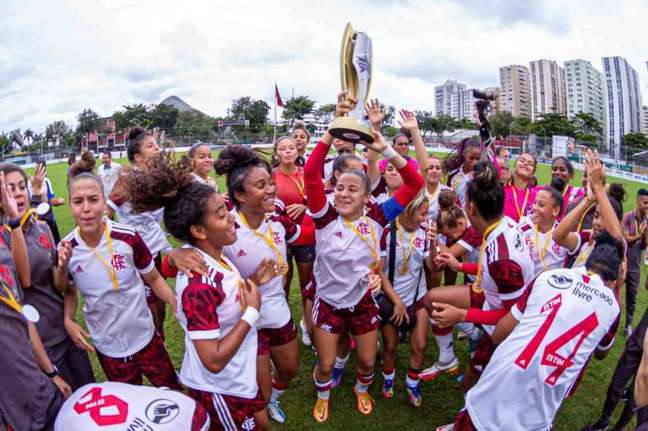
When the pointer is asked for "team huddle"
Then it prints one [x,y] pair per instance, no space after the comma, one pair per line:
[376,243]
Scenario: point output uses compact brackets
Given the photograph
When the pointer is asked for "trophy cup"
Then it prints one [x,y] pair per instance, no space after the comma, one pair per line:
[355,75]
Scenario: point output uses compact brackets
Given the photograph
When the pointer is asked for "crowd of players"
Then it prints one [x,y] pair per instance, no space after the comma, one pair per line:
[376,242]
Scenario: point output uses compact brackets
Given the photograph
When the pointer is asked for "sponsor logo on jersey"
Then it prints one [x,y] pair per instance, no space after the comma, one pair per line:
[560,281]
[363,228]
[44,241]
[241,253]
[162,411]
[519,245]
[104,410]
[276,237]
[78,269]
[118,262]
[339,234]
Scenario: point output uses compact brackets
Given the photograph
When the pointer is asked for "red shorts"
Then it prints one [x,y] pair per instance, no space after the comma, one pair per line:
[360,319]
[272,337]
[308,292]
[482,355]
[463,422]
[153,361]
[228,412]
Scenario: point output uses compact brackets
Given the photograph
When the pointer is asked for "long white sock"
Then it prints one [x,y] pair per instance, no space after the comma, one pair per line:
[341,362]
[446,347]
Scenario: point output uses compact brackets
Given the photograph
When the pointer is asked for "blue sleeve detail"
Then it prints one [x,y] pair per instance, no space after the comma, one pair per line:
[391,209]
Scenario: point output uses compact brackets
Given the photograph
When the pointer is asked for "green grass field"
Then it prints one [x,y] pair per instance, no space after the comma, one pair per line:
[441,398]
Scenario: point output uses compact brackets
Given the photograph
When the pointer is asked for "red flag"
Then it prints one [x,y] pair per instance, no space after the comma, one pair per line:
[278,97]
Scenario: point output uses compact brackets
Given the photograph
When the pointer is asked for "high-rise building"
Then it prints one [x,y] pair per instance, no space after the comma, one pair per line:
[449,99]
[585,90]
[469,108]
[515,93]
[547,88]
[624,104]
[645,120]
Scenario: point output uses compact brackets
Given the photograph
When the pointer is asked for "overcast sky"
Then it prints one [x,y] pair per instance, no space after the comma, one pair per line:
[58,57]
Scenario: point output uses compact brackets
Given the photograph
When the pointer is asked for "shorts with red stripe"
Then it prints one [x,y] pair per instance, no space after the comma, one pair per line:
[228,412]
[360,319]
[152,361]
[463,422]
[273,337]
[482,355]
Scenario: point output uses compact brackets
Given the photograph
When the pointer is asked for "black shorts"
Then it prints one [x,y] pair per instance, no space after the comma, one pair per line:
[302,253]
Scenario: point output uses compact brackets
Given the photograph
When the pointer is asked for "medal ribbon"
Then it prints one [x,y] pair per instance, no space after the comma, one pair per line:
[477,284]
[373,247]
[107,264]
[269,240]
[407,254]
[298,183]
[542,254]
[11,300]
[582,219]
[520,211]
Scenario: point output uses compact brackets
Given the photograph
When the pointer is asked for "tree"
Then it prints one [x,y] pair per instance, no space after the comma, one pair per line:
[56,131]
[635,140]
[195,126]
[502,123]
[587,128]
[255,111]
[465,123]
[164,117]
[298,107]
[88,122]
[425,120]
[133,115]
[29,134]
[551,124]
[443,123]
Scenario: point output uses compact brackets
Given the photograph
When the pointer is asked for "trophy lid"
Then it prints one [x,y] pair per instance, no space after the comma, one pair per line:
[348,75]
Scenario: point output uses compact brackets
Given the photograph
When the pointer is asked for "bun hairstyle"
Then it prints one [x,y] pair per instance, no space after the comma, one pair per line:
[168,184]
[236,162]
[617,195]
[300,125]
[449,212]
[86,164]
[458,156]
[135,138]
[606,257]
[486,191]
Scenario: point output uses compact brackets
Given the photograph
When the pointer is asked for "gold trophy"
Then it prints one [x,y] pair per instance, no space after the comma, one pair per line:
[356,64]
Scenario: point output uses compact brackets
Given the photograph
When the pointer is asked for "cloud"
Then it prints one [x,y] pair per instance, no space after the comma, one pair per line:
[57,58]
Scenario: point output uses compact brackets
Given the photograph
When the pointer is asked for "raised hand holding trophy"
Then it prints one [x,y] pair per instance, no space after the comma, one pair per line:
[356,64]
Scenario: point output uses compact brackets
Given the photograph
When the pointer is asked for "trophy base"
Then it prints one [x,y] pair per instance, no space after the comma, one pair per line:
[351,130]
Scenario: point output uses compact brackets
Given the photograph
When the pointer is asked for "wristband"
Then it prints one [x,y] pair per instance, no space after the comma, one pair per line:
[250,316]
[13,224]
[54,373]
[389,153]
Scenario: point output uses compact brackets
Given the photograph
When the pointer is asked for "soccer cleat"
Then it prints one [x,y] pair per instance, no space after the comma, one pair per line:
[437,369]
[449,427]
[305,339]
[414,395]
[364,402]
[275,412]
[628,330]
[336,379]
[321,410]
[388,389]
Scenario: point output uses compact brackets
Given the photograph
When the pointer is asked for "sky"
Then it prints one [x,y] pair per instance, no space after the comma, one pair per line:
[58,57]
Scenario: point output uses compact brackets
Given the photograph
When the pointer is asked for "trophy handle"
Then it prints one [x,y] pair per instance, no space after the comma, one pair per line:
[348,78]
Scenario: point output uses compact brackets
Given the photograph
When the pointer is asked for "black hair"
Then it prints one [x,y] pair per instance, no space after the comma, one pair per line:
[565,160]
[498,150]
[167,183]
[617,194]
[398,135]
[642,192]
[236,162]
[486,191]
[341,164]
[456,159]
[605,259]
[86,163]
[363,177]
[194,147]
[555,189]
[135,138]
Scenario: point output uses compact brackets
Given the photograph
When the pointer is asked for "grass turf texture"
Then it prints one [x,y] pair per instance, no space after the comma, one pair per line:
[442,398]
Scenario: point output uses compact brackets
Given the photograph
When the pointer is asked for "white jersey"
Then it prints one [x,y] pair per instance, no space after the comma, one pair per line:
[248,251]
[209,308]
[112,406]
[506,267]
[471,241]
[562,318]
[108,176]
[433,199]
[208,182]
[409,279]
[119,321]
[342,261]
[546,254]
[459,183]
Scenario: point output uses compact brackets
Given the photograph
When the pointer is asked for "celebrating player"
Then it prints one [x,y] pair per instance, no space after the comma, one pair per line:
[202,163]
[549,336]
[460,164]
[346,265]
[562,168]
[519,195]
[108,262]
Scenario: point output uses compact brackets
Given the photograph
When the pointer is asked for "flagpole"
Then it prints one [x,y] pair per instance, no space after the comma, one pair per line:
[274,129]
